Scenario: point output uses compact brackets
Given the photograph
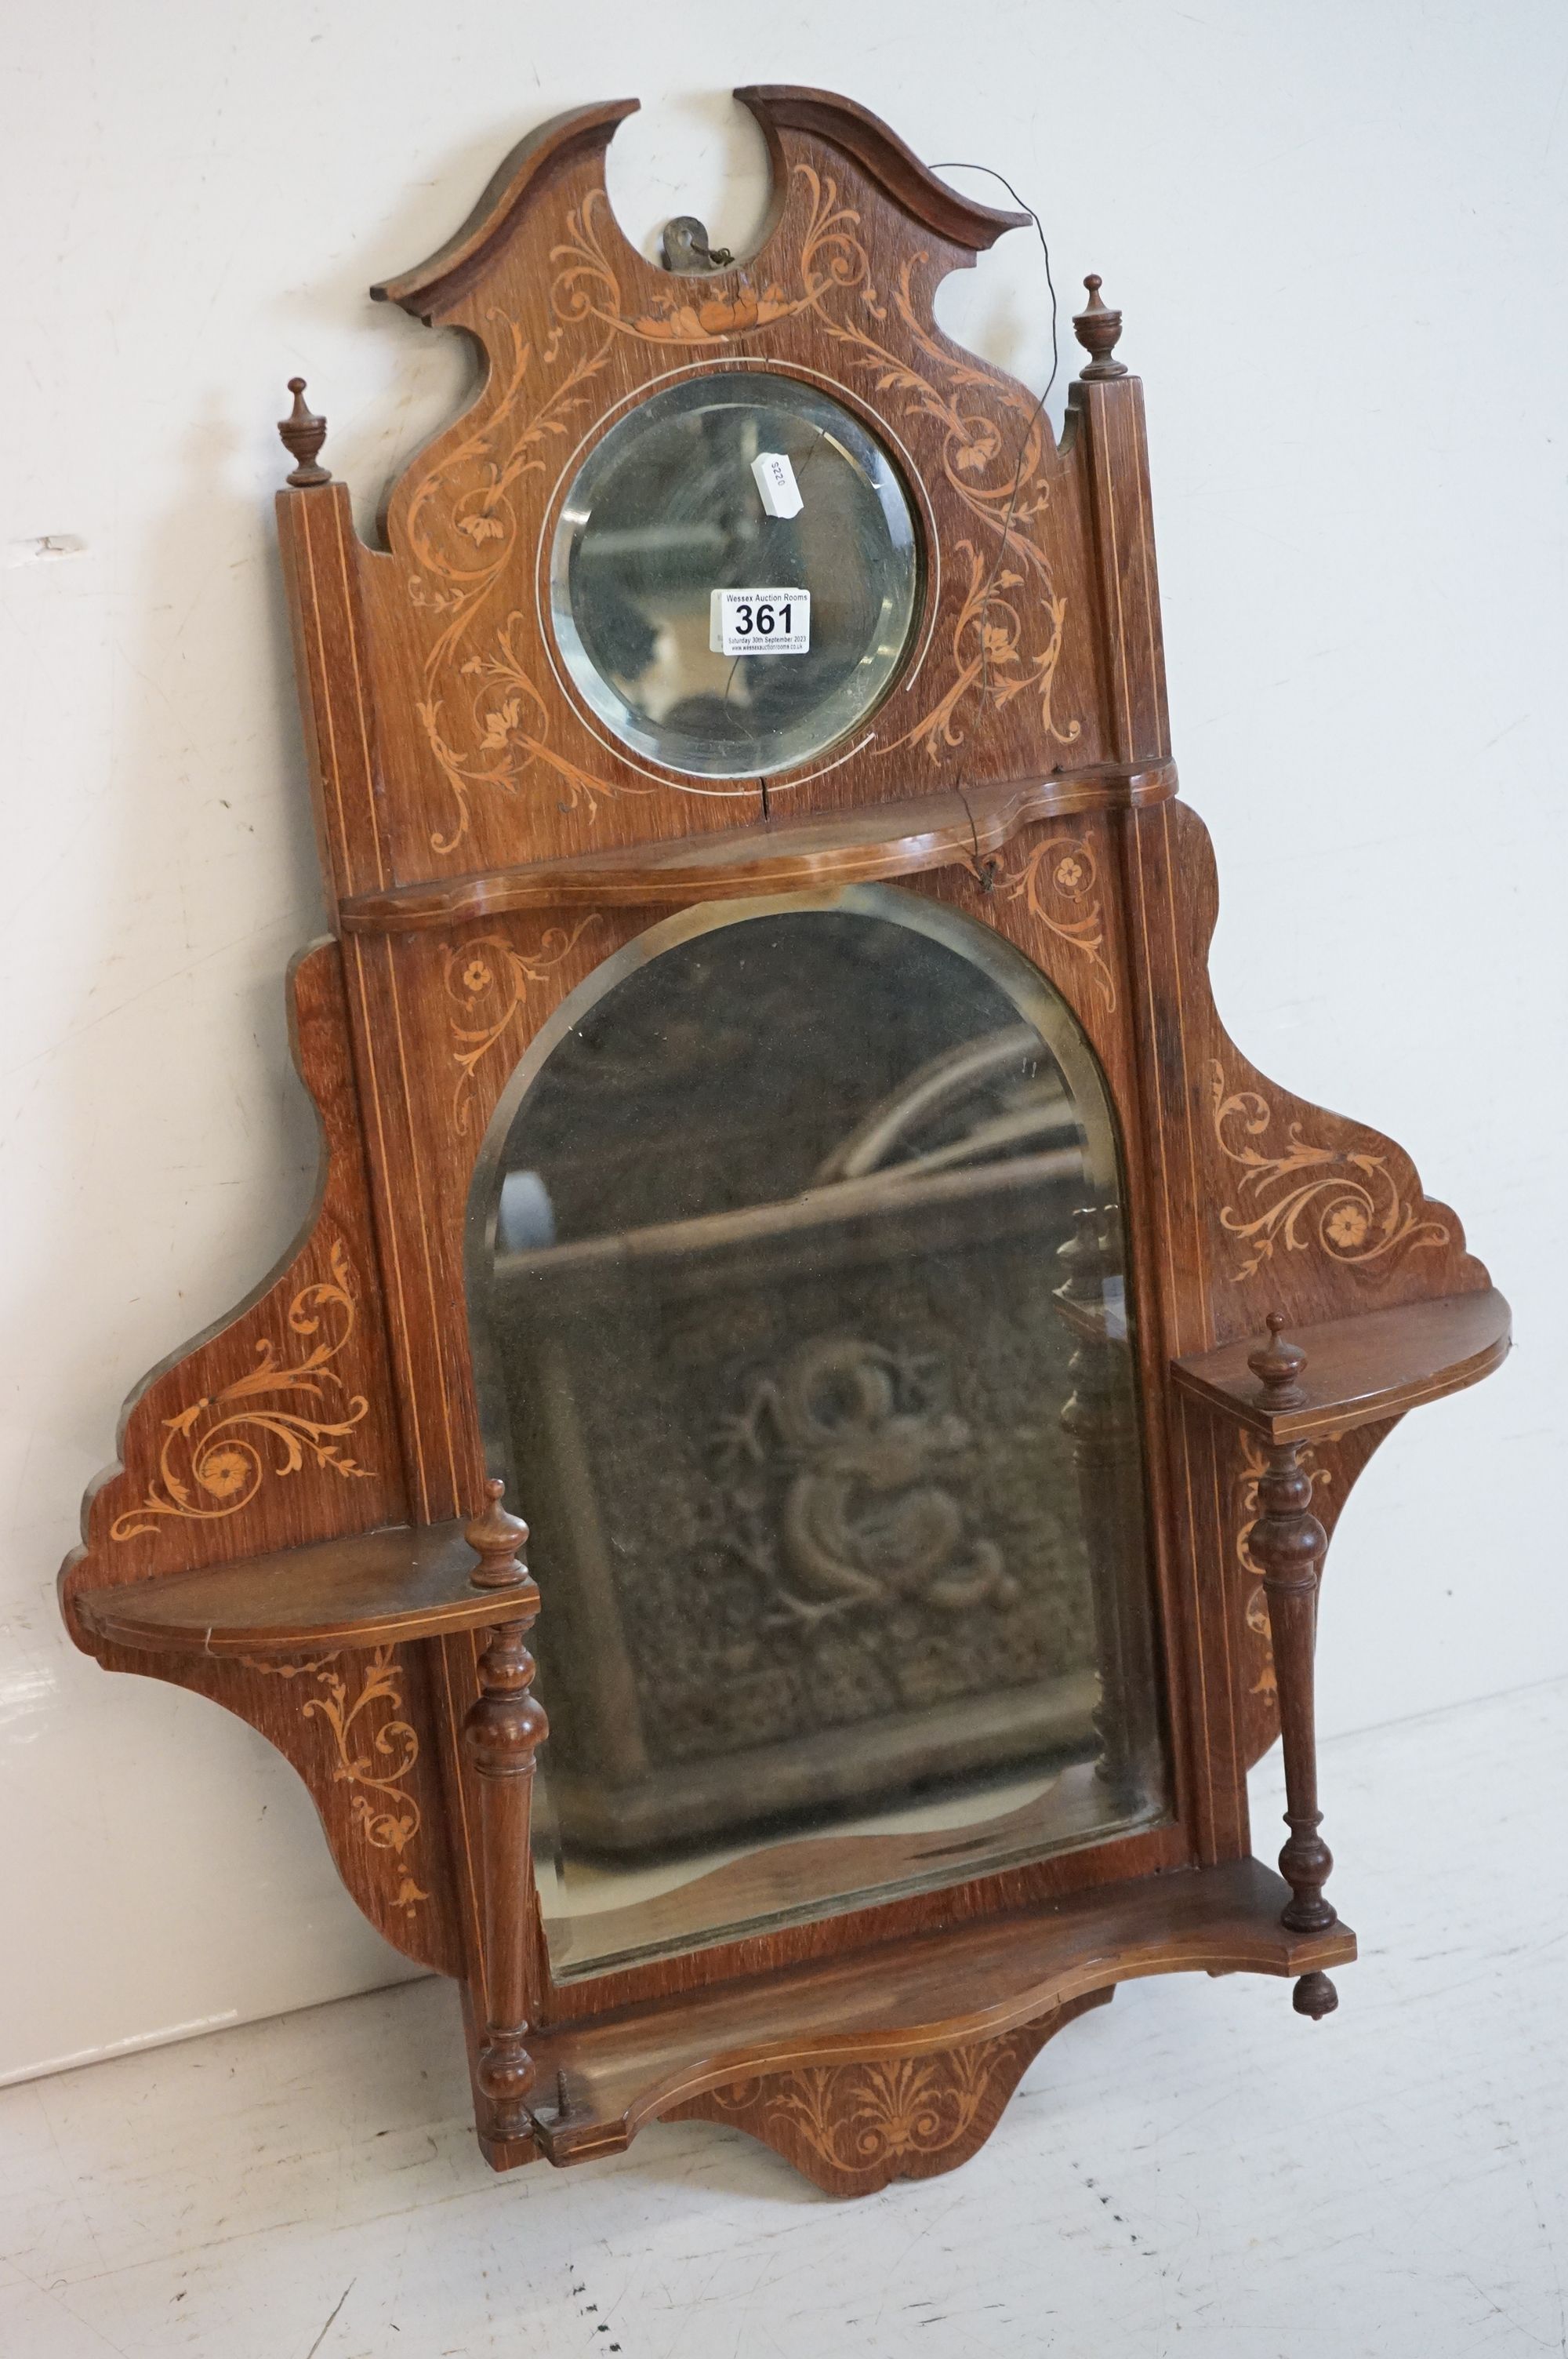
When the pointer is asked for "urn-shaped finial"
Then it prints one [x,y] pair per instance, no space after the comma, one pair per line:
[303,434]
[1099,329]
[1277,1366]
[498,1540]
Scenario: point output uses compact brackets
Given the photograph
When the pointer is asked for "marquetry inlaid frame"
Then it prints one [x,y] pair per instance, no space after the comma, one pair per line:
[284,1531]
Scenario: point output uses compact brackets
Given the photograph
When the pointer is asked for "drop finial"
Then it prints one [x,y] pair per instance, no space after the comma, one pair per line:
[1099,329]
[303,434]
[1277,1366]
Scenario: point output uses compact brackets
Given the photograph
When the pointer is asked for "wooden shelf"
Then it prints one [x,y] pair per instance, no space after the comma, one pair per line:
[780,856]
[1361,1370]
[370,1590]
[938,1991]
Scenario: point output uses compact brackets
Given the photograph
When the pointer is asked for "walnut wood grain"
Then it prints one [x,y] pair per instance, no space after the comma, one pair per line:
[497,762]
[1288,1544]
[939,1991]
[855,131]
[278,1424]
[778,857]
[370,1590]
[852,2129]
[1361,1370]
[503,1731]
[440,281]
[300,1473]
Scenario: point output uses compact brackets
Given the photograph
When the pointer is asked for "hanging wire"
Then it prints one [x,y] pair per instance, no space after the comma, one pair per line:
[992,173]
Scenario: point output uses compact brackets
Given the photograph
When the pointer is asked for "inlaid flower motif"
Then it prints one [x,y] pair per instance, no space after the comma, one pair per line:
[222,1472]
[1060,869]
[1348,1200]
[487,981]
[975,453]
[499,723]
[208,1466]
[480,529]
[720,315]
[1346,1225]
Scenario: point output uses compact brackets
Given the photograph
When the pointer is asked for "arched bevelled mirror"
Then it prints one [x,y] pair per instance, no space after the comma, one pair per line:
[796,1280]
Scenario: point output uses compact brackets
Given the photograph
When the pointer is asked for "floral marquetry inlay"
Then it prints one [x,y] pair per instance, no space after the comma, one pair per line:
[375,1760]
[486,982]
[844,1481]
[218,1450]
[853,2127]
[1059,884]
[471,516]
[1345,1201]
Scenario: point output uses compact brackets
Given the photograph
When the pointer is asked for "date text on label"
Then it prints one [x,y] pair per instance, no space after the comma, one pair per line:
[760,622]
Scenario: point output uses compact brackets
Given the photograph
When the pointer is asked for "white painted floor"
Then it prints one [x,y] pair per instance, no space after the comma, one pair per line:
[1190,2171]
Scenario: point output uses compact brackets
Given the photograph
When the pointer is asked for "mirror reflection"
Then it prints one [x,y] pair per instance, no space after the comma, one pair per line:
[667,509]
[803,1347]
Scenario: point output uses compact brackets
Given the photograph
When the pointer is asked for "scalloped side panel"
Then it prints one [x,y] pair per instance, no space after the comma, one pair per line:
[361,1732]
[1289,1207]
[277,1426]
[1299,1210]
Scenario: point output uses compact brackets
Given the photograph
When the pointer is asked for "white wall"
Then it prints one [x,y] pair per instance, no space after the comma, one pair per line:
[1337,233]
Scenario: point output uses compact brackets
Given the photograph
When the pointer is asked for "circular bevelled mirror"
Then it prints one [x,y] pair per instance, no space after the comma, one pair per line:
[676,504]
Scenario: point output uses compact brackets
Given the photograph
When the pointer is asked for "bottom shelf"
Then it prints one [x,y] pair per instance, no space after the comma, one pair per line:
[938,1991]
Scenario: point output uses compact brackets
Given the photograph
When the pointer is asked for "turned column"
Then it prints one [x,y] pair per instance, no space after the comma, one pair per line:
[503,1728]
[1287,1544]
[1099,1418]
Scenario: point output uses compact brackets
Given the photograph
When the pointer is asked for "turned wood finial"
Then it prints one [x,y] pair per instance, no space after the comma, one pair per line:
[1314,1996]
[1099,329]
[1083,1257]
[498,1540]
[303,434]
[1278,1366]
[1286,1543]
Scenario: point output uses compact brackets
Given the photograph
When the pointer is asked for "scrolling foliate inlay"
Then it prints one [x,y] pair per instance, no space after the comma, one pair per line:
[853,2127]
[385,1812]
[486,982]
[989,656]
[466,513]
[210,1464]
[1059,885]
[1345,1201]
[510,723]
[861,2116]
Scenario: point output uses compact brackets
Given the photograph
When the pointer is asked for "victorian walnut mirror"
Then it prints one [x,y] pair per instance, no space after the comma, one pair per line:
[777,1134]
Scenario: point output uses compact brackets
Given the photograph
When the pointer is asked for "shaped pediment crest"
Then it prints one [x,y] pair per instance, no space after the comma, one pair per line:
[576,327]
